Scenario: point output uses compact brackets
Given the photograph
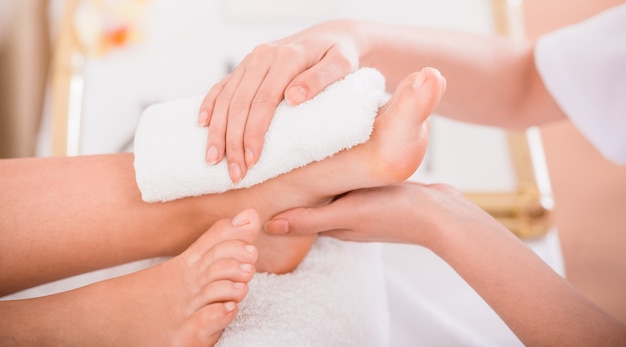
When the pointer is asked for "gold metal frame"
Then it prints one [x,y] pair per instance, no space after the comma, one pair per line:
[63,69]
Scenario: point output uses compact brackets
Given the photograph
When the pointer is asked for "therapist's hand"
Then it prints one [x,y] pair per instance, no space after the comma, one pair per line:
[401,213]
[238,109]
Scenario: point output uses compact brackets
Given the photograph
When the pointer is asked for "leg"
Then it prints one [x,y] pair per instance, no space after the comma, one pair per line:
[63,216]
[186,301]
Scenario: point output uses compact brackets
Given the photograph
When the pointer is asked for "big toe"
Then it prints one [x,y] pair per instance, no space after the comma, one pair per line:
[417,95]
[401,129]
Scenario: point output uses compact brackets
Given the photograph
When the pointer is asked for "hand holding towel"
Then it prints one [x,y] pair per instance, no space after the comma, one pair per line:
[170,146]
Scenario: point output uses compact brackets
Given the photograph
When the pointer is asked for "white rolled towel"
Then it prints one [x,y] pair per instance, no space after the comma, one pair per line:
[170,147]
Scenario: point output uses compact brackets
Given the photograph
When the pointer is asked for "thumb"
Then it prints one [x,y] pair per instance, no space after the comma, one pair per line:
[311,82]
[306,220]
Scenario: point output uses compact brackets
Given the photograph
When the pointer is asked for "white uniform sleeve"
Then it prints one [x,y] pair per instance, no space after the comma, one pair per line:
[584,68]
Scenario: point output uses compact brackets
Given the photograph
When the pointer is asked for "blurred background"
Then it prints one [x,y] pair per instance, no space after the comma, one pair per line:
[76,75]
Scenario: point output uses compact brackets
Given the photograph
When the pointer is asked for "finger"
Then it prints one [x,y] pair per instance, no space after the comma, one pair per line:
[331,68]
[303,221]
[208,103]
[205,115]
[263,107]
[219,119]
[254,89]
[239,112]
[325,71]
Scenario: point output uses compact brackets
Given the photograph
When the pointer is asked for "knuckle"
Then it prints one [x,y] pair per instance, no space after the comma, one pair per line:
[265,99]
[239,103]
[254,137]
[217,127]
[223,98]
[262,49]
[255,132]
[342,62]
[318,79]
[233,147]
[287,51]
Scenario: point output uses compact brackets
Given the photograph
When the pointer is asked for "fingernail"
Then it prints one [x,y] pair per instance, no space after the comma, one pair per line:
[445,85]
[242,218]
[235,172]
[246,267]
[211,155]
[277,226]
[251,249]
[296,95]
[419,80]
[249,157]
[229,306]
[202,118]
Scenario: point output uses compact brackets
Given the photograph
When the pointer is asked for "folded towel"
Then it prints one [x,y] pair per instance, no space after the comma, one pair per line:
[170,146]
[336,297]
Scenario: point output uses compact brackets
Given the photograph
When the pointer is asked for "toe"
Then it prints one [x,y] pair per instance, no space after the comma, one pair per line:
[207,324]
[223,291]
[229,269]
[400,133]
[418,94]
[244,227]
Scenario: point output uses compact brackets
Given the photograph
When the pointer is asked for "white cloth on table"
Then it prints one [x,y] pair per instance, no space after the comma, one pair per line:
[336,297]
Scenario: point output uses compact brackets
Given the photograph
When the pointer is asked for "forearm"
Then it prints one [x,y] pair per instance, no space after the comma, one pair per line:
[491,80]
[535,302]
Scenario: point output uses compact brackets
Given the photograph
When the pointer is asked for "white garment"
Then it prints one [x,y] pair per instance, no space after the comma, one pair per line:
[584,68]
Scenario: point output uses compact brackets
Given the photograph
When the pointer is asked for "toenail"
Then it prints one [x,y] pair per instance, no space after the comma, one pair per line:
[246,267]
[238,285]
[229,306]
[419,80]
[250,249]
[436,72]
[241,219]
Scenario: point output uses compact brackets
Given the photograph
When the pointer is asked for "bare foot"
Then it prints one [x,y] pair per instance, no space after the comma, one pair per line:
[185,301]
[392,154]
[37,225]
